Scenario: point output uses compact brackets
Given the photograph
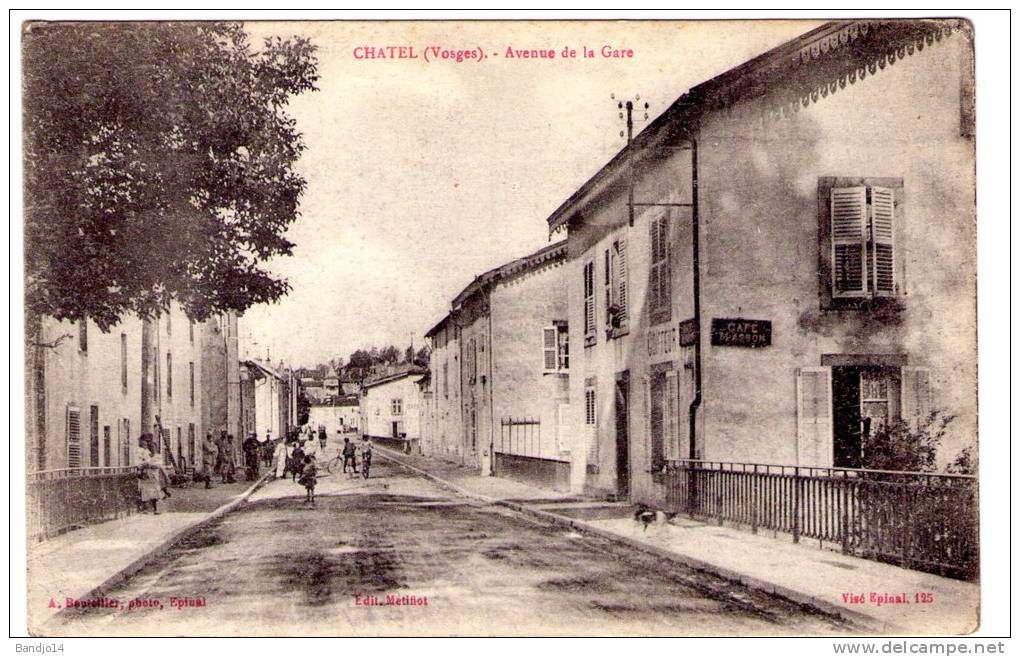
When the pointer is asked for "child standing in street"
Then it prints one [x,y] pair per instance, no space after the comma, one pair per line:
[308,478]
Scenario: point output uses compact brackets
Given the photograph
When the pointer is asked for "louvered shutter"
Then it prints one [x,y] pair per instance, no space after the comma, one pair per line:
[883,256]
[589,298]
[848,213]
[73,437]
[672,417]
[915,394]
[654,293]
[549,355]
[621,279]
[814,417]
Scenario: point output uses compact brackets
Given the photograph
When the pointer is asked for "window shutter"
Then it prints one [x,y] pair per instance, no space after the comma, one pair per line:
[621,278]
[915,396]
[814,417]
[849,206]
[883,257]
[73,437]
[653,294]
[589,298]
[549,348]
[672,417]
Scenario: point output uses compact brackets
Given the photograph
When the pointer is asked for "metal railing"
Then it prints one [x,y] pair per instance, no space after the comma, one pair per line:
[520,436]
[918,520]
[59,500]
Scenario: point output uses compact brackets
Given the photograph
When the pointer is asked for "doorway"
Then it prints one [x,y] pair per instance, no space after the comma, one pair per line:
[864,399]
[622,435]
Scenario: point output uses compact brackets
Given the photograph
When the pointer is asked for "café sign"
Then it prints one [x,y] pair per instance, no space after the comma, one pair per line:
[752,333]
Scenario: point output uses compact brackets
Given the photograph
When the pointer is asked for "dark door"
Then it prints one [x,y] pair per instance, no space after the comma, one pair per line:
[846,417]
[622,435]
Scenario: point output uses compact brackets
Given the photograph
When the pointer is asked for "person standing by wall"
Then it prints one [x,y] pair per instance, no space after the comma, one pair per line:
[209,453]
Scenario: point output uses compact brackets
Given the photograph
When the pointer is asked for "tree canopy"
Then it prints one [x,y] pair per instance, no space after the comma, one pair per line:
[159,166]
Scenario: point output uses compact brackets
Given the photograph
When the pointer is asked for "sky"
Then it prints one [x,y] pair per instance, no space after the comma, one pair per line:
[423,174]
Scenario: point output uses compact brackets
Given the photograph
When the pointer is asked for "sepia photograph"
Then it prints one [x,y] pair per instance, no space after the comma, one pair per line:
[516,328]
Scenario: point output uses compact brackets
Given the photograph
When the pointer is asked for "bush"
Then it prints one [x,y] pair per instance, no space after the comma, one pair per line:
[900,445]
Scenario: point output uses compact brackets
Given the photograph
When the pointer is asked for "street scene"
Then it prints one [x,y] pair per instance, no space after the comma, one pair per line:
[364,328]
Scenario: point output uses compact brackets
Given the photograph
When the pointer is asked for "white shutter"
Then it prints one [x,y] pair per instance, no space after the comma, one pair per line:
[589,298]
[73,437]
[549,355]
[883,257]
[672,439]
[620,270]
[814,416]
[563,428]
[849,207]
[915,394]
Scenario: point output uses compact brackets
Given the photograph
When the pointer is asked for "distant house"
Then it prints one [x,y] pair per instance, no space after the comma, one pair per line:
[270,394]
[336,414]
[390,408]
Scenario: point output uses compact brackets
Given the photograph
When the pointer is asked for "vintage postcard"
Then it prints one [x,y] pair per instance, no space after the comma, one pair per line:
[500,328]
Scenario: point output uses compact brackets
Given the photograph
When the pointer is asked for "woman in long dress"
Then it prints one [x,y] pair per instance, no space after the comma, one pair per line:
[280,458]
[152,479]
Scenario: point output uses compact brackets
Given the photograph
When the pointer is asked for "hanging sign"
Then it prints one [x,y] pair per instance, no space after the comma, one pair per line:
[741,332]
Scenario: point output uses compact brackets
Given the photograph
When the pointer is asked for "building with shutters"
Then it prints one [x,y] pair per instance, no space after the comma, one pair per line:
[93,394]
[499,369]
[335,414]
[780,263]
[268,399]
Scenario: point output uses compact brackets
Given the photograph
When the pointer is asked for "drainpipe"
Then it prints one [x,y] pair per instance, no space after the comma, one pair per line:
[692,412]
[492,409]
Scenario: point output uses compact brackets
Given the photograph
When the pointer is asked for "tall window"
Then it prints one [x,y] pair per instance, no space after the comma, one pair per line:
[659,271]
[191,444]
[83,335]
[106,447]
[123,363]
[446,379]
[590,425]
[169,375]
[125,442]
[169,325]
[589,302]
[472,360]
[191,331]
[396,407]
[94,436]
[191,384]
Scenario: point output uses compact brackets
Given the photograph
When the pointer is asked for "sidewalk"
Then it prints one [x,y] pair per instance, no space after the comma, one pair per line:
[802,572]
[78,563]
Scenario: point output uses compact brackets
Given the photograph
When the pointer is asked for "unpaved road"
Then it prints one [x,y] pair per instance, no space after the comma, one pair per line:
[279,566]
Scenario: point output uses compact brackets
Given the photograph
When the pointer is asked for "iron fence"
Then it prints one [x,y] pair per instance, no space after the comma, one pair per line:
[520,436]
[59,500]
[918,520]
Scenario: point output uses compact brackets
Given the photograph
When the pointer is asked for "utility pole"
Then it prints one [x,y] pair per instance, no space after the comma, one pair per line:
[628,107]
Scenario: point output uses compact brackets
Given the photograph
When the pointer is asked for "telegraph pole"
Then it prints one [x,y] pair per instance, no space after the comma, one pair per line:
[628,107]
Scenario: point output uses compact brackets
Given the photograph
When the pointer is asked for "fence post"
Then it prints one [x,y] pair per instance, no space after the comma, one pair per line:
[796,504]
[845,529]
[755,485]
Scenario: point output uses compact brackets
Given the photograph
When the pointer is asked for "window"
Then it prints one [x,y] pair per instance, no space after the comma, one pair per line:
[191,331]
[396,407]
[169,327]
[618,273]
[180,448]
[169,375]
[125,442]
[446,379]
[664,420]
[660,300]
[191,384]
[555,348]
[860,255]
[591,435]
[83,335]
[94,436]
[472,361]
[106,447]
[589,302]
[73,437]
[191,444]
[123,363]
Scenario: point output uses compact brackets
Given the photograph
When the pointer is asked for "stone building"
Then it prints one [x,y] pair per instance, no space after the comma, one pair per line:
[781,263]
[499,371]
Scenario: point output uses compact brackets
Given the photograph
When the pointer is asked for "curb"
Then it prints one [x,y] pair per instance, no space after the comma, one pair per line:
[147,558]
[862,620]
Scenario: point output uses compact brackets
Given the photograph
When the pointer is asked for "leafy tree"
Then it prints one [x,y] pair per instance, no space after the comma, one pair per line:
[359,359]
[389,355]
[421,359]
[159,166]
[901,446]
[966,462]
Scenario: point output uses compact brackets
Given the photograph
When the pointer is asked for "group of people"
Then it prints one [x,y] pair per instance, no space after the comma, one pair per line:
[297,457]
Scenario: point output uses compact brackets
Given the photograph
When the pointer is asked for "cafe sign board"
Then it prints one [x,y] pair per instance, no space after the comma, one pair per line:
[752,333]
